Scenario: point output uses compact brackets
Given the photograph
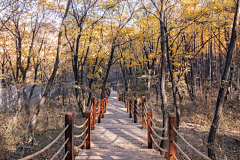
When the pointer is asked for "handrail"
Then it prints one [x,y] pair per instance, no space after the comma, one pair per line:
[152,126]
[78,136]
[163,150]
[47,147]
[65,155]
[162,138]
[174,157]
[199,153]
[83,142]
[160,129]
[55,155]
[79,127]
[184,154]
[69,133]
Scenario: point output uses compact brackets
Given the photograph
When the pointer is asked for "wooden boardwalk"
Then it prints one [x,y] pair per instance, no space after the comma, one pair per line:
[117,137]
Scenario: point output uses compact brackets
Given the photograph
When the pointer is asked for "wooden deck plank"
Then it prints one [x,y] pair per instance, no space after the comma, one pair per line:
[117,137]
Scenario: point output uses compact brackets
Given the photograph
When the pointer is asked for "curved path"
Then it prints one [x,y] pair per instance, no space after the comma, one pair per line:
[117,137]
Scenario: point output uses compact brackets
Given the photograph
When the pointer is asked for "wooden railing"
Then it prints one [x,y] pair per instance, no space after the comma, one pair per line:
[69,130]
[147,120]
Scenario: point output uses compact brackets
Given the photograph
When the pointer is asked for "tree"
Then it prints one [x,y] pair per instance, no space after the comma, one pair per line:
[54,72]
[224,83]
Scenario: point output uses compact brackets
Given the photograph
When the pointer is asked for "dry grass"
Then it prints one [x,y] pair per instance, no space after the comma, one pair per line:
[196,119]
[51,122]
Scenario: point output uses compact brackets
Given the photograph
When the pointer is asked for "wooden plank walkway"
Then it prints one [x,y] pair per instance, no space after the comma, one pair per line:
[117,137]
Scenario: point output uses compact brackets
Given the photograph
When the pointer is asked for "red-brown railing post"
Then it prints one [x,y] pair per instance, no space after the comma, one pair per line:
[127,105]
[99,110]
[106,102]
[118,95]
[149,129]
[172,122]
[130,108]
[103,108]
[88,140]
[135,111]
[69,134]
[93,112]
[105,105]
[143,111]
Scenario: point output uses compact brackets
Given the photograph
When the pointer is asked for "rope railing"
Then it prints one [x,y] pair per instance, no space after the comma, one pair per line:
[199,153]
[83,142]
[156,127]
[147,120]
[79,127]
[65,155]
[47,147]
[78,136]
[90,119]
[184,154]
[56,154]
[174,157]
[69,131]
[161,138]
[161,149]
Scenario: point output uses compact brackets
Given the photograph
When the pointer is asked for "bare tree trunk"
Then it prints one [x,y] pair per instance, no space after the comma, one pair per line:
[210,69]
[163,93]
[123,69]
[32,125]
[173,85]
[223,88]
[108,69]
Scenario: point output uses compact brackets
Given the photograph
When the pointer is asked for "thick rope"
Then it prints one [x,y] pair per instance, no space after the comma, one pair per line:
[45,148]
[139,117]
[77,136]
[155,126]
[83,125]
[163,150]
[181,151]
[162,138]
[83,142]
[190,145]
[174,156]
[65,155]
[55,155]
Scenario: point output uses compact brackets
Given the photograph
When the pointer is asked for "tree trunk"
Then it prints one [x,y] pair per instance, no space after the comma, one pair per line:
[163,93]
[173,85]
[108,69]
[32,125]
[223,88]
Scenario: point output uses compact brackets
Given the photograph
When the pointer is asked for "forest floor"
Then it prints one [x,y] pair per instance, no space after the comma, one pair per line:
[196,119]
[195,122]
[51,122]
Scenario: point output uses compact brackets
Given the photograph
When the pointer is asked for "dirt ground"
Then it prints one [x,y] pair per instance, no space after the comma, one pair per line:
[51,122]
[196,119]
[195,122]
